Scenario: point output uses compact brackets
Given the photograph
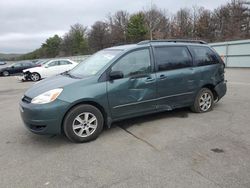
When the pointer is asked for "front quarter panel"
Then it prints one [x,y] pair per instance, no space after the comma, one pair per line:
[86,91]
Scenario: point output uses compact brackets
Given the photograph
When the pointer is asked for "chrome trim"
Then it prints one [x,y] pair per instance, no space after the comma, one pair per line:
[134,103]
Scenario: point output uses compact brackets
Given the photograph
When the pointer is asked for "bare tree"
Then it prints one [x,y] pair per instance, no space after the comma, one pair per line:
[75,41]
[118,24]
[182,24]
[204,28]
[99,36]
[156,22]
[231,21]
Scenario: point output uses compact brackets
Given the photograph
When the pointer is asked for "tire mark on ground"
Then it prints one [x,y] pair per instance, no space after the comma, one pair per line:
[138,138]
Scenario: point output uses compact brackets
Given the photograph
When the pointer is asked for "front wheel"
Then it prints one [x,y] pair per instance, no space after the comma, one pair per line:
[204,101]
[83,123]
[6,73]
[35,77]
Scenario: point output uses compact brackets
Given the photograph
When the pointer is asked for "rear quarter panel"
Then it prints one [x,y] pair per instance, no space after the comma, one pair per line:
[208,75]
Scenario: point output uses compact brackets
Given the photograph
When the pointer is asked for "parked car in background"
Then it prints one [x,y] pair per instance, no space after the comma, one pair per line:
[123,82]
[42,61]
[16,68]
[2,63]
[48,68]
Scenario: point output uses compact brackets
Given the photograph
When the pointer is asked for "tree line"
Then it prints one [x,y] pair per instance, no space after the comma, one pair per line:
[230,21]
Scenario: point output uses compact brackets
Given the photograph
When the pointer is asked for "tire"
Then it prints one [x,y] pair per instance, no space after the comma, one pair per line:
[35,76]
[204,101]
[83,123]
[6,73]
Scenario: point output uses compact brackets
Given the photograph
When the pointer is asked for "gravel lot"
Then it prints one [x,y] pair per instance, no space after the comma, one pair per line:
[171,149]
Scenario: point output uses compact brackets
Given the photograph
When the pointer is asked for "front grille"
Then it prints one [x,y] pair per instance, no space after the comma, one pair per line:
[26,99]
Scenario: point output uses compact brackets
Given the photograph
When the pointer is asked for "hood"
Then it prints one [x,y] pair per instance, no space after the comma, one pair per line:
[33,69]
[4,67]
[47,84]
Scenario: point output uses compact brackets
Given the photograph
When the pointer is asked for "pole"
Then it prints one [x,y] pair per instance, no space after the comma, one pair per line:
[150,28]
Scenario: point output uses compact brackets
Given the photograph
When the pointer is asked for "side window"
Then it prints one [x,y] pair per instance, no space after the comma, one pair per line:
[27,64]
[17,65]
[53,63]
[203,56]
[172,57]
[64,62]
[134,63]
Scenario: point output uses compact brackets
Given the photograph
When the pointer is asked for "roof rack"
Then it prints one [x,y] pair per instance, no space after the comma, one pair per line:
[173,40]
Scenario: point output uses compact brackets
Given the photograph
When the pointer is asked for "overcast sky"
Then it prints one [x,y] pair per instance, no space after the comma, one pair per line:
[26,24]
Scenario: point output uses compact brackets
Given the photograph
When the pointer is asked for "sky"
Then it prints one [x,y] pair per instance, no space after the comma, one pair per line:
[26,24]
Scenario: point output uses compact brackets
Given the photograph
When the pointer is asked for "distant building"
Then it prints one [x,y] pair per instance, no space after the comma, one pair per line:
[234,53]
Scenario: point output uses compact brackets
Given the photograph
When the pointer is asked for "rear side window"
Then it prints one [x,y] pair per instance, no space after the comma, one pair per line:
[203,56]
[27,64]
[65,63]
[53,63]
[172,57]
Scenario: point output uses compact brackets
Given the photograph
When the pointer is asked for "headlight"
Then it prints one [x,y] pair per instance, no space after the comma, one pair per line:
[47,97]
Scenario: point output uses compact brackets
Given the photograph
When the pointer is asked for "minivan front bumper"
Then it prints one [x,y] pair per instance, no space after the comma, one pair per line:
[43,118]
[221,89]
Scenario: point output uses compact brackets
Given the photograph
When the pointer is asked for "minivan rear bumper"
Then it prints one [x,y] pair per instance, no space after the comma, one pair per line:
[221,89]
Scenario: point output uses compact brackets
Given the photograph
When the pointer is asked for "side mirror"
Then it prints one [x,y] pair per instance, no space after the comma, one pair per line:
[12,67]
[46,66]
[116,75]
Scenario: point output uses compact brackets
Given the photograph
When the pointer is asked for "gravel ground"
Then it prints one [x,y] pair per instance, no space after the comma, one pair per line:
[170,149]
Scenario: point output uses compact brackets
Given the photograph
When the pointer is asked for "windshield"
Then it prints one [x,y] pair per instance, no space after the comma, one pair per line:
[15,65]
[41,62]
[94,63]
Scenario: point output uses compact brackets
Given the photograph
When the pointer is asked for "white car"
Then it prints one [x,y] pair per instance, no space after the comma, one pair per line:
[48,68]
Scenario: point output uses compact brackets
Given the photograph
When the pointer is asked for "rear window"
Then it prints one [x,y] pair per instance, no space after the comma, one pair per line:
[203,56]
[172,57]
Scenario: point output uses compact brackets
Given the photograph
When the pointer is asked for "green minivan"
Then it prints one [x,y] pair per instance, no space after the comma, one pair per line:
[123,82]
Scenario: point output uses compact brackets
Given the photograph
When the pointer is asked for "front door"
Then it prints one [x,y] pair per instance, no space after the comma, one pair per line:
[135,93]
[16,68]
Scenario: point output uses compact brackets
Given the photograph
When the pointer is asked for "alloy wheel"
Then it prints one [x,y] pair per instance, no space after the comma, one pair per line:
[35,77]
[205,101]
[85,124]
[6,73]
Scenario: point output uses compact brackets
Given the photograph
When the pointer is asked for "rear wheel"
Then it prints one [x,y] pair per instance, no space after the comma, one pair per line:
[6,73]
[83,123]
[35,76]
[204,101]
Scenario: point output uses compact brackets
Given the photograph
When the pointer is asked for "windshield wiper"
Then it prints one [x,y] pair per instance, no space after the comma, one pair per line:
[70,75]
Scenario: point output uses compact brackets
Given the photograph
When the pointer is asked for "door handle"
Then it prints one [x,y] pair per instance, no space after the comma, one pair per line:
[162,77]
[149,79]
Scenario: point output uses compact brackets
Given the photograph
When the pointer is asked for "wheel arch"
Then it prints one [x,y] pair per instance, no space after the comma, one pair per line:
[93,103]
[212,88]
